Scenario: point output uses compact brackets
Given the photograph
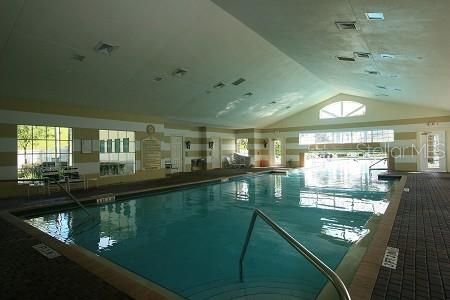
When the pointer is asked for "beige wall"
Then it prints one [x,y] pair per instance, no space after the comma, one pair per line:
[82,128]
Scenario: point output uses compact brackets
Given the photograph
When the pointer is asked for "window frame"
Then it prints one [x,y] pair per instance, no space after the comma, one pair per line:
[113,150]
[326,110]
[355,136]
[62,138]
[239,146]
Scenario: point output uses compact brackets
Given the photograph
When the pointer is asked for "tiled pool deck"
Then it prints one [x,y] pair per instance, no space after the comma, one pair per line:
[421,231]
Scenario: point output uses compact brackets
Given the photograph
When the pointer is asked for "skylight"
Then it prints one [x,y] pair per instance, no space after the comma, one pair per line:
[375,16]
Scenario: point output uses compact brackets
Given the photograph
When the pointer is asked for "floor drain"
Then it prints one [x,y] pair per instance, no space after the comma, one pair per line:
[390,258]
[46,251]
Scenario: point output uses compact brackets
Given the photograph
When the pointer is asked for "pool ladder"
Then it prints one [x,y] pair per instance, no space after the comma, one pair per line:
[71,196]
[314,260]
[371,167]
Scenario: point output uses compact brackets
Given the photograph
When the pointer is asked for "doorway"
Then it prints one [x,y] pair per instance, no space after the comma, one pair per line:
[176,153]
[215,153]
[432,152]
[277,152]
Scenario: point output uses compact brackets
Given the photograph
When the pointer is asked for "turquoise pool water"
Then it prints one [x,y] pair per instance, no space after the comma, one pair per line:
[189,240]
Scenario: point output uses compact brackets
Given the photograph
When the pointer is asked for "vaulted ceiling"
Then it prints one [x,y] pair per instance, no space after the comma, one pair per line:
[285,50]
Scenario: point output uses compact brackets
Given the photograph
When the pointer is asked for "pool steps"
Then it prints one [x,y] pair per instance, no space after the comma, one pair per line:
[249,290]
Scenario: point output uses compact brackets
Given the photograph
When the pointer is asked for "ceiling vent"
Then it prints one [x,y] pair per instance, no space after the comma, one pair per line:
[179,72]
[346,25]
[105,48]
[239,81]
[372,72]
[387,56]
[219,85]
[363,55]
[343,58]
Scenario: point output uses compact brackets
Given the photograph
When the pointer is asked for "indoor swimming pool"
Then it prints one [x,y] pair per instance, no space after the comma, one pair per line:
[189,240]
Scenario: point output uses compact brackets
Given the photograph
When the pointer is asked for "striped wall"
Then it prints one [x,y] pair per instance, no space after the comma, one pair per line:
[82,129]
[87,163]
[199,138]
[402,152]
[8,151]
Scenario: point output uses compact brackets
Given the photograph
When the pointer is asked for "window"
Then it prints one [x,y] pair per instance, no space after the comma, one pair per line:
[347,137]
[117,152]
[242,146]
[42,146]
[342,109]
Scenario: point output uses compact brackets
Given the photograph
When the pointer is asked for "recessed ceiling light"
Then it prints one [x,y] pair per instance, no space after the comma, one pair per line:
[375,16]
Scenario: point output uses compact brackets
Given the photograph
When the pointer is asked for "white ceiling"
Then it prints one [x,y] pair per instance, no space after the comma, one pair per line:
[285,52]
[414,31]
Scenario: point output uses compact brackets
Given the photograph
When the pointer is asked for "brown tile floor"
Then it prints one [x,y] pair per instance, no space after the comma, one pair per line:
[421,231]
[26,274]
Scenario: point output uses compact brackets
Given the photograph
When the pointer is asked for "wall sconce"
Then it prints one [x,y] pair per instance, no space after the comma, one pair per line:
[188,144]
[265,143]
[211,145]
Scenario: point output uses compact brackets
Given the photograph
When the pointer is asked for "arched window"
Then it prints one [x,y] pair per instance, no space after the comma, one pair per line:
[342,109]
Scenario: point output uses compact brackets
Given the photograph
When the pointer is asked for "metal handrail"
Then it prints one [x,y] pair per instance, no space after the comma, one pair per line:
[378,161]
[310,257]
[71,196]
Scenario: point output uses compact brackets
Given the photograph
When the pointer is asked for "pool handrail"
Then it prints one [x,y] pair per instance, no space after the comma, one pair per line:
[371,167]
[71,196]
[310,257]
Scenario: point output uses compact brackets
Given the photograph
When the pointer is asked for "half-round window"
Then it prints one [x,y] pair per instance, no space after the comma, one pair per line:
[342,109]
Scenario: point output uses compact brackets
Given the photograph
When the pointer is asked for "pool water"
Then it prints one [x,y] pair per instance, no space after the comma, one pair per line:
[190,240]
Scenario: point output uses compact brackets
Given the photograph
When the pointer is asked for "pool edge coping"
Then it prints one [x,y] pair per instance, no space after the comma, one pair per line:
[363,282]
